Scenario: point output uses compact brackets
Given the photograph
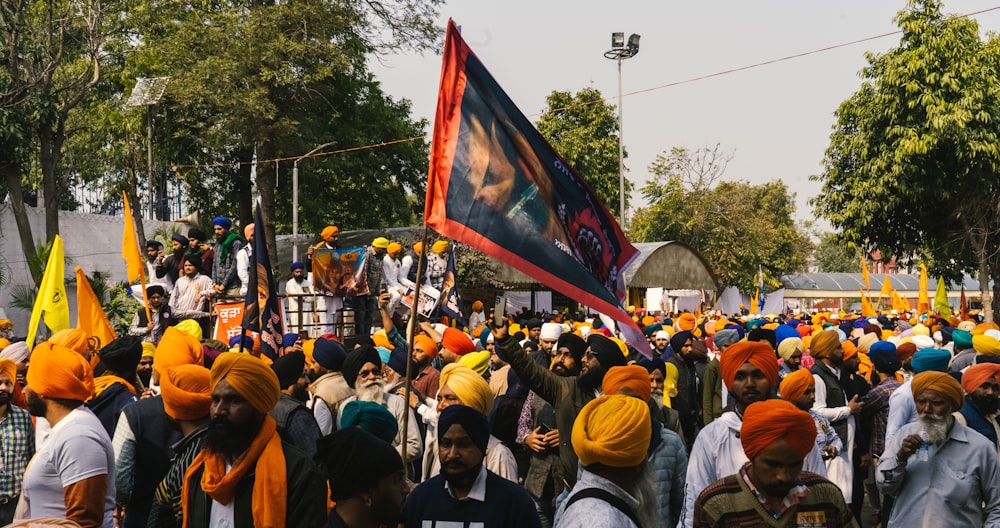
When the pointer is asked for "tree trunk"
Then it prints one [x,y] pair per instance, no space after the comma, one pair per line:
[266,183]
[12,176]
[51,142]
[990,305]
[244,191]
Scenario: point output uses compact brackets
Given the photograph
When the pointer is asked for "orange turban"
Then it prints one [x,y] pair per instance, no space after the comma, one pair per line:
[71,338]
[766,422]
[329,231]
[8,368]
[426,344]
[850,350]
[634,377]
[469,386]
[382,340]
[457,342]
[686,321]
[418,247]
[59,372]
[824,343]
[177,348]
[613,431]
[393,248]
[941,383]
[250,377]
[795,384]
[757,353]
[248,231]
[4,343]
[976,375]
[187,392]
[477,306]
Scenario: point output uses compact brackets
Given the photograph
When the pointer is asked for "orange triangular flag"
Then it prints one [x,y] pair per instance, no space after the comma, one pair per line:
[90,315]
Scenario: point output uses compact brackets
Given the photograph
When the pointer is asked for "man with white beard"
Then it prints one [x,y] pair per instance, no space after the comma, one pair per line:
[941,472]
[363,372]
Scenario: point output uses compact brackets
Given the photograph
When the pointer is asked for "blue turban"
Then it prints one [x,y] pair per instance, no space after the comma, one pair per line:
[222,221]
[330,354]
[930,359]
[962,339]
[288,340]
[179,238]
[783,332]
[740,330]
[860,323]
[484,336]
[298,265]
[793,322]
[397,361]
[474,422]
[370,417]
[883,356]
[652,329]
[235,342]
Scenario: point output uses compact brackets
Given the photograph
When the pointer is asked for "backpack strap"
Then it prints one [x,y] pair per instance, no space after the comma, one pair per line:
[606,496]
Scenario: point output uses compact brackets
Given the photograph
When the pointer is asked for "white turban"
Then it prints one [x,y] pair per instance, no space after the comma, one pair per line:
[16,352]
[584,332]
[551,331]
[922,341]
[661,334]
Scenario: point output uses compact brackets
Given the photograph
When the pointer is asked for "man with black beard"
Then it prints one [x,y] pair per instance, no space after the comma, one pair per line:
[19,444]
[296,423]
[566,394]
[941,473]
[691,358]
[363,372]
[979,410]
[458,495]
[246,475]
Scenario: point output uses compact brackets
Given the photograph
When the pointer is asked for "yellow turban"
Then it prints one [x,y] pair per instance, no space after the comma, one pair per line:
[73,339]
[307,348]
[440,246]
[824,343]
[329,231]
[382,340]
[187,392]
[941,383]
[986,345]
[177,348]
[670,383]
[418,247]
[788,346]
[190,327]
[250,377]
[477,361]
[613,431]
[381,242]
[60,372]
[795,384]
[620,344]
[470,387]
[4,343]
[8,368]
[148,349]
[514,328]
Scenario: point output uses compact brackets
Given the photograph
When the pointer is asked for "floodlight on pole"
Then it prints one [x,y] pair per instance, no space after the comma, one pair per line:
[295,198]
[618,52]
[147,92]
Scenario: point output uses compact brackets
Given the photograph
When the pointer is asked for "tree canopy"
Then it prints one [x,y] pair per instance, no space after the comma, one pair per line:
[912,166]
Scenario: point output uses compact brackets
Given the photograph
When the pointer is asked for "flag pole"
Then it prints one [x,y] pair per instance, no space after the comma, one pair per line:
[411,327]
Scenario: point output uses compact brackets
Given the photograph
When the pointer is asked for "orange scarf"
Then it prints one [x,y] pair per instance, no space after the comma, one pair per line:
[270,485]
[101,383]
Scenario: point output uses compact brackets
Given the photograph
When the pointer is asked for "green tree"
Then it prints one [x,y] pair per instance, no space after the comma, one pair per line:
[737,226]
[584,131]
[913,162]
[834,255]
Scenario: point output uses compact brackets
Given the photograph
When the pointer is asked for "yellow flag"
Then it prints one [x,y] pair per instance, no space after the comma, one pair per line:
[941,299]
[864,273]
[867,309]
[886,288]
[923,302]
[51,298]
[963,306]
[130,248]
[90,315]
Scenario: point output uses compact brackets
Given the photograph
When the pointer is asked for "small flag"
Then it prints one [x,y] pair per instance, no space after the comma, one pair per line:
[90,314]
[130,247]
[864,273]
[923,303]
[451,302]
[867,309]
[260,312]
[963,306]
[941,299]
[51,298]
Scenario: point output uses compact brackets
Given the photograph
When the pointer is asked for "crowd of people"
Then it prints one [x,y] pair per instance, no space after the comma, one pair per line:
[526,419]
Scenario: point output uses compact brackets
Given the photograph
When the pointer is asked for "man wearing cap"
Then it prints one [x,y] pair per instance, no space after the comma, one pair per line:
[296,424]
[940,471]
[771,488]
[168,268]
[71,475]
[363,373]
[187,400]
[329,388]
[225,280]
[151,331]
[749,369]
[115,383]
[567,395]
[245,475]
[243,259]
[366,478]
[145,433]
[300,299]
[367,294]
[17,442]
[611,437]
[979,409]
[466,493]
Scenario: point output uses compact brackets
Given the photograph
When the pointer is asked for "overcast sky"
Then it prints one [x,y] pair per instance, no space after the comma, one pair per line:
[776,118]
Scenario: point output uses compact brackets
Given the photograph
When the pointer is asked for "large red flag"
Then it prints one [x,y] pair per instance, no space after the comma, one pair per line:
[498,186]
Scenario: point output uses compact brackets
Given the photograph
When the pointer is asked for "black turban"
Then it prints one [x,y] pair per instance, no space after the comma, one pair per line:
[122,355]
[356,461]
[289,368]
[608,353]
[475,423]
[576,345]
[356,359]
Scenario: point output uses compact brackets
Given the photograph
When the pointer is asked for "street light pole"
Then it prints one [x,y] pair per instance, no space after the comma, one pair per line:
[618,52]
[295,198]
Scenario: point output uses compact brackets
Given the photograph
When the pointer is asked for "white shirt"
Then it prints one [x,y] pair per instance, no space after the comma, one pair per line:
[390,273]
[404,271]
[243,267]
[222,515]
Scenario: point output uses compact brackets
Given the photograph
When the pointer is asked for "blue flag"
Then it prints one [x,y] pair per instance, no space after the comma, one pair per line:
[260,312]
[451,303]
